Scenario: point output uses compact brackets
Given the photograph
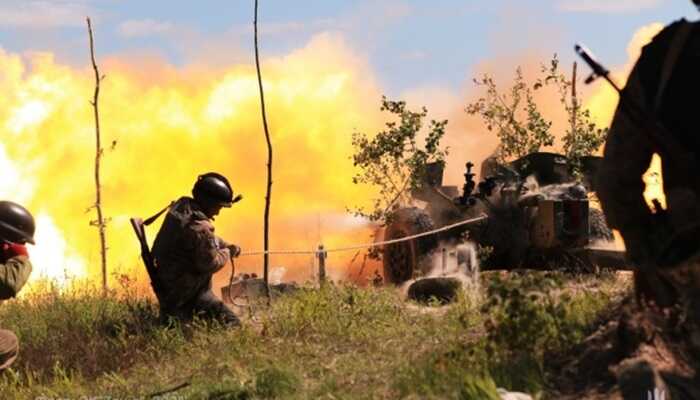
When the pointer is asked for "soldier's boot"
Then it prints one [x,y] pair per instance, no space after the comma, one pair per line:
[209,306]
[9,347]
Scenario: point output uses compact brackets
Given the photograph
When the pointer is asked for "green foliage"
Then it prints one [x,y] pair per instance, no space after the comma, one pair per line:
[340,341]
[483,253]
[515,117]
[393,161]
[268,383]
[529,316]
[520,124]
[478,387]
[79,332]
[582,137]
[345,311]
[272,383]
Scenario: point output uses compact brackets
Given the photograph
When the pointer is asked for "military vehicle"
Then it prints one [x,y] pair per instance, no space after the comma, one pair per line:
[538,215]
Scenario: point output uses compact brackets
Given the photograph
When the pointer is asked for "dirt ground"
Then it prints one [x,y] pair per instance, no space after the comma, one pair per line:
[635,353]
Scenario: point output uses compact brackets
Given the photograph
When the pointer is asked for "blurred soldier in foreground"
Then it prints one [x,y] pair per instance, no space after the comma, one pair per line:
[16,229]
[664,84]
[187,253]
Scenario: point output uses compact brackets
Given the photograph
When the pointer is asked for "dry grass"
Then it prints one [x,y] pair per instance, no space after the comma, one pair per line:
[338,342]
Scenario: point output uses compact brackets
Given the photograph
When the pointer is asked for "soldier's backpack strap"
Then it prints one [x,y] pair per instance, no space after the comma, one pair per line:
[678,42]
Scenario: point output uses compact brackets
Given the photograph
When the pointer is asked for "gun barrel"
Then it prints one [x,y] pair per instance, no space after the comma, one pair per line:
[598,69]
[587,56]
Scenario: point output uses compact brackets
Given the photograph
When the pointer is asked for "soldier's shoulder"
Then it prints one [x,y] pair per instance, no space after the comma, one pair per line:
[182,203]
[182,209]
[654,52]
[666,34]
[17,273]
[21,261]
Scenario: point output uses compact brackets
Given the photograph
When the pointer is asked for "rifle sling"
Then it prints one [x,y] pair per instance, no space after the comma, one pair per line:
[149,221]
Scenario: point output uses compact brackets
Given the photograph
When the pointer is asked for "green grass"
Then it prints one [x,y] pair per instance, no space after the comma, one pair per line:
[339,342]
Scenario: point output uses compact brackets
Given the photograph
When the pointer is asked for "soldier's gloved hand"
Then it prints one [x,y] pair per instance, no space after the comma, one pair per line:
[235,250]
[221,243]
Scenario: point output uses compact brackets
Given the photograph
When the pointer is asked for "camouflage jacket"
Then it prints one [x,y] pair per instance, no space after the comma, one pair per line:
[186,254]
[628,151]
[14,273]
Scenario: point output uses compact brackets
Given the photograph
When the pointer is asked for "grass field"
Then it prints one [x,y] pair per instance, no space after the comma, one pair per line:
[337,342]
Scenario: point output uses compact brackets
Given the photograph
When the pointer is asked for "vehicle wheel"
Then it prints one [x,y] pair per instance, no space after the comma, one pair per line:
[401,260]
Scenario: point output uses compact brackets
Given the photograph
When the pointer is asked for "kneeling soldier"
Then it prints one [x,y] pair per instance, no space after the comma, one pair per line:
[16,229]
[187,253]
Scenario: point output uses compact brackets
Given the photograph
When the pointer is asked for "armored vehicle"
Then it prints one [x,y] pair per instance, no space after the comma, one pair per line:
[538,215]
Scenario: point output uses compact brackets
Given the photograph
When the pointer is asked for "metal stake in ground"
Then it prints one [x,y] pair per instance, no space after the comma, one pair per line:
[444,260]
[322,255]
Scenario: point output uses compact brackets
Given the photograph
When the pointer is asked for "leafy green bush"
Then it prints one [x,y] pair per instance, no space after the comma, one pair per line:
[528,316]
[521,124]
[392,161]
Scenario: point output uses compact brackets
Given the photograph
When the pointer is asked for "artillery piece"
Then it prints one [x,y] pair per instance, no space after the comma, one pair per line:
[538,216]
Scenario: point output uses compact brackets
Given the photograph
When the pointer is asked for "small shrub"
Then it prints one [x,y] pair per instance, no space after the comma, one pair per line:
[460,373]
[227,389]
[528,317]
[274,382]
[476,387]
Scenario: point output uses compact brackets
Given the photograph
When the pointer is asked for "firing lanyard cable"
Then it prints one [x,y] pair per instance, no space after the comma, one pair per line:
[339,249]
[370,245]
[230,296]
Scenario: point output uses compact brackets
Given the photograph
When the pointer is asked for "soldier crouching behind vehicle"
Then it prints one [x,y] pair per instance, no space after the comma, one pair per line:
[16,229]
[187,253]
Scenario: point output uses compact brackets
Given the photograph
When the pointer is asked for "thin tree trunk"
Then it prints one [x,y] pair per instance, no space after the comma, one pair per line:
[574,101]
[269,152]
[100,223]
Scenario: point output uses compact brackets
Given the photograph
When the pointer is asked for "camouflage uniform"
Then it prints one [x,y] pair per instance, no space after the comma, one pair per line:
[670,93]
[14,272]
[187,253]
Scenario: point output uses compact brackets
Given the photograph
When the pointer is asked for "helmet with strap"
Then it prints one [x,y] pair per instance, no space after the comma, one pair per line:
[16,223]
[214,188]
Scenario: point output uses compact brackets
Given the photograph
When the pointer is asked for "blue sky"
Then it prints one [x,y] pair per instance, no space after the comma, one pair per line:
[408,43]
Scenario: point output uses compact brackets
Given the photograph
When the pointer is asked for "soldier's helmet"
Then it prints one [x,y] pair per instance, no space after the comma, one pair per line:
[16,223]
[214,188]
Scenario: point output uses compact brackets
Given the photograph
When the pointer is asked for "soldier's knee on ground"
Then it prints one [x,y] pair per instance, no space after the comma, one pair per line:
[212,307]
[9,347]
[228,318]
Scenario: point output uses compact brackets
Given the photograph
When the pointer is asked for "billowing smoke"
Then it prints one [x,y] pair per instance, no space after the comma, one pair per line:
[162,127]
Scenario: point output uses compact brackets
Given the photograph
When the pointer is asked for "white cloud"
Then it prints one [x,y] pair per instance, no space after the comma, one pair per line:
[607,6]
[43,14]
[144,27]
